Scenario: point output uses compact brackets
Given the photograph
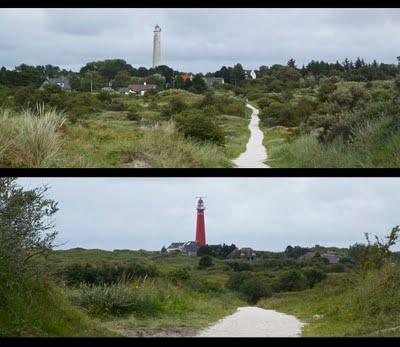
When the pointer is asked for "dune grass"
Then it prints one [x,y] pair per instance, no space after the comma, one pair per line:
[32,305]
[30,138]
[375,143]
[347,304]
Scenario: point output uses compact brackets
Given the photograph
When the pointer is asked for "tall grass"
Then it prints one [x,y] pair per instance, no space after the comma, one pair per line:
[31,305]
[163,146]
[375,143]
[118,299]
[347,304]
[30,138]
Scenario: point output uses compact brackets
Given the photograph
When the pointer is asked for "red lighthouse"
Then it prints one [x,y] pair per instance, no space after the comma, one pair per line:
[200,226]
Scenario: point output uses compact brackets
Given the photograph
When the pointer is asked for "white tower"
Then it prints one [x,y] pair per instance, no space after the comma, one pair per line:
[157,47]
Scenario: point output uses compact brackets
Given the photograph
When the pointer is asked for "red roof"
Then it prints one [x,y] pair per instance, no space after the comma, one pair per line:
[186,77]
[140,87]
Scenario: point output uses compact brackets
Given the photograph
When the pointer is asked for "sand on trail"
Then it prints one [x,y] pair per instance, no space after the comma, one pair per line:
[255,322]
[255,153]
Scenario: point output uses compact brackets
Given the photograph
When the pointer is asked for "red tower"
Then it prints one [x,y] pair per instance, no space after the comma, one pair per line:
[200,226]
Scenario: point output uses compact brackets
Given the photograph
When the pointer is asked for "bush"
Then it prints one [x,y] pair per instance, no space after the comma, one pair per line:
[117,106]
[196,125]
[314,276]
[292,280]
[117,299]
[179,275]
[76,274]
[133,116]
[255,288]
[205,261]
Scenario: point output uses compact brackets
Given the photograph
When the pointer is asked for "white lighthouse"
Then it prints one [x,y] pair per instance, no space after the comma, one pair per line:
[157,47]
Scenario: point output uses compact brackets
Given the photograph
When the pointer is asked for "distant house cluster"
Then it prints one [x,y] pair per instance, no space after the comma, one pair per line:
[243,253]
[138,89]
[332,257]
[189,248]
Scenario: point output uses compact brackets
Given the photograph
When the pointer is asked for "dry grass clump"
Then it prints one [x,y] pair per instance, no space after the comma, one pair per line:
[30,138]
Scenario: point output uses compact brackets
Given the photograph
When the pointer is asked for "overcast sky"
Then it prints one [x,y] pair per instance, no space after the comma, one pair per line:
[263,213]
[197,40]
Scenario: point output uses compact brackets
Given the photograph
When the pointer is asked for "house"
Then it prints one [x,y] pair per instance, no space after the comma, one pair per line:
[243,253]
[187,77]
[189,248]
[308,255]
[210,81]
[332,257]
[62,82]
[141,89]
[250,74]
[175,247]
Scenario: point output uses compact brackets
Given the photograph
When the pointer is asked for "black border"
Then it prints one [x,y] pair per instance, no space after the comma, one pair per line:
[191,172]
[202,3]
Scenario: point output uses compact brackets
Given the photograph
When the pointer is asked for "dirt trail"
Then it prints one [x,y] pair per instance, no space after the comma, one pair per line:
[255,153]
[255,322]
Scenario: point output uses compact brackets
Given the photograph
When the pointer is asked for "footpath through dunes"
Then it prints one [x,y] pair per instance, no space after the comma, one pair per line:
[255,322]
[255,153]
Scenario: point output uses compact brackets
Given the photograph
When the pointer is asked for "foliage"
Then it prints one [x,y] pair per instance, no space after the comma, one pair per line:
[27,230]
[194,124]
[205,261]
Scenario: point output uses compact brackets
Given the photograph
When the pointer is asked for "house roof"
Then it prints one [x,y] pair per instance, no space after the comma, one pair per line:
[333,257]
[141,87]
[308,255]
[191,246]
[176,244]
[58,81]
[186,76]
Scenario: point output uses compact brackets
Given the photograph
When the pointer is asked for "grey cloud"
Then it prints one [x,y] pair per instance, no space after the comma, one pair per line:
[261,213]
[198,39]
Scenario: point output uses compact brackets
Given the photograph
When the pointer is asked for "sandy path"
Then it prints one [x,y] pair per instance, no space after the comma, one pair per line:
[255,153]
[255,322]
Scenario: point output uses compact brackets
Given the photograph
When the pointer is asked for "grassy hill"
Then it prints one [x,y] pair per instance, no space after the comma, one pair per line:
[349,304]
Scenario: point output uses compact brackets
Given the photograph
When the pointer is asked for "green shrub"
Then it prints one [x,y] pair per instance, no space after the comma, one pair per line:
[75,274]
[205,261]
[291,280]
[255,288]
[117,106]
[179,275]
[196,125]
[117,299]
[314,276]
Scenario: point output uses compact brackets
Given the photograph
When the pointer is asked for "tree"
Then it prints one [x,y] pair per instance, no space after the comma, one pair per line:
[291,63]
[122,79]
[198,84]
[163,249]
[205,261]
[27,230]
[238,74]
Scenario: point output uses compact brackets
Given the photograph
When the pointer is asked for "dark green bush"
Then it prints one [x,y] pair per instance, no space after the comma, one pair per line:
[255,288]
[291,280]
[205,261]
[195,124]
[314,276]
